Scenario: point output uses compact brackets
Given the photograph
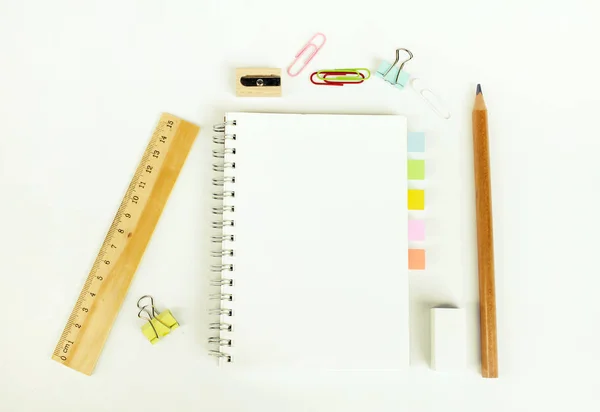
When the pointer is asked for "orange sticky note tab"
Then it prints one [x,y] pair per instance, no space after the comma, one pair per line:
[416,259]
[416,199]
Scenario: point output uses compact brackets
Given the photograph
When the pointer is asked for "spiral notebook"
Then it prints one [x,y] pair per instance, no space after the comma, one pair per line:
[311,239]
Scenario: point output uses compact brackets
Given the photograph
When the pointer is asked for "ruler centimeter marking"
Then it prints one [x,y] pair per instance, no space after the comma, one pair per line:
[106,286]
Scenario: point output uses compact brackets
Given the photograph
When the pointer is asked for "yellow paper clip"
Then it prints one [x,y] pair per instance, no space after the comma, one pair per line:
[159,324]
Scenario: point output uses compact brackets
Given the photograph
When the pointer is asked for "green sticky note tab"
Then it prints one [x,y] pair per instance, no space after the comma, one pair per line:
[416,169]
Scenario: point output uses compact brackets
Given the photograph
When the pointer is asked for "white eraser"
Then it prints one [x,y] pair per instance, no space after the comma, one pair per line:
[448,339]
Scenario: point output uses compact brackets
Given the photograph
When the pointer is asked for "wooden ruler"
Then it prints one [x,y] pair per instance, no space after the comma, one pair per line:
[104,291]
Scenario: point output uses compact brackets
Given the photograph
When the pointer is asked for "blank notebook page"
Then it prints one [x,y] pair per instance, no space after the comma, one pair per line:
[320,263]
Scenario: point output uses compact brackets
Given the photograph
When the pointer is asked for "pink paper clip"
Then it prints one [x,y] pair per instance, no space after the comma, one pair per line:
[308,46]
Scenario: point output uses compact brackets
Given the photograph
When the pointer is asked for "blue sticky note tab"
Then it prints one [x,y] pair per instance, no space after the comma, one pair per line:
[391,76]
[416,142]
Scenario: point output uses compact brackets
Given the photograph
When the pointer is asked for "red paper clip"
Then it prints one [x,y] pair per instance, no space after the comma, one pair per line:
[308,46]
[326,82]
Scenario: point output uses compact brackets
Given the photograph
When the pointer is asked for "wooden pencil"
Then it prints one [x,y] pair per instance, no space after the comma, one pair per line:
[485,239]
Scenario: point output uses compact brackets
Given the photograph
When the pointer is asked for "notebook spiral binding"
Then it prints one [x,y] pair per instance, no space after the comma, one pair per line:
[224,221]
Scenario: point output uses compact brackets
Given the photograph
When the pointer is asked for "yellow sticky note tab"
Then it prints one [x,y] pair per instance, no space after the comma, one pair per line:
[163,324]
[416,199]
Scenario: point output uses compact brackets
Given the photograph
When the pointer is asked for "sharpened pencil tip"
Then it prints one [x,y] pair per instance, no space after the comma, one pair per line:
[479,89]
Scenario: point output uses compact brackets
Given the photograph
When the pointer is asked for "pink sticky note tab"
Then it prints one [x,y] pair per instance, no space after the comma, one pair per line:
[416,230]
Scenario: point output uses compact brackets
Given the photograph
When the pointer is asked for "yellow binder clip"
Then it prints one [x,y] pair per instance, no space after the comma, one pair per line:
[159,324]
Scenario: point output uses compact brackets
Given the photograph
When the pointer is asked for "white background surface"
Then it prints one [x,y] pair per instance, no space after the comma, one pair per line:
[83,84]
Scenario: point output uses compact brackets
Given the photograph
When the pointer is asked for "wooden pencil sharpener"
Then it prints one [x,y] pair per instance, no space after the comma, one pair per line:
[257,82]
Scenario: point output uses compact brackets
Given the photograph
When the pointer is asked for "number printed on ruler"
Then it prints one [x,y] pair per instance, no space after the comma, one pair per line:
[121,230]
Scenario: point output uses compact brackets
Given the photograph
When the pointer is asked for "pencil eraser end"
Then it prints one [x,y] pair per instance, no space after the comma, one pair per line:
[448,339]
